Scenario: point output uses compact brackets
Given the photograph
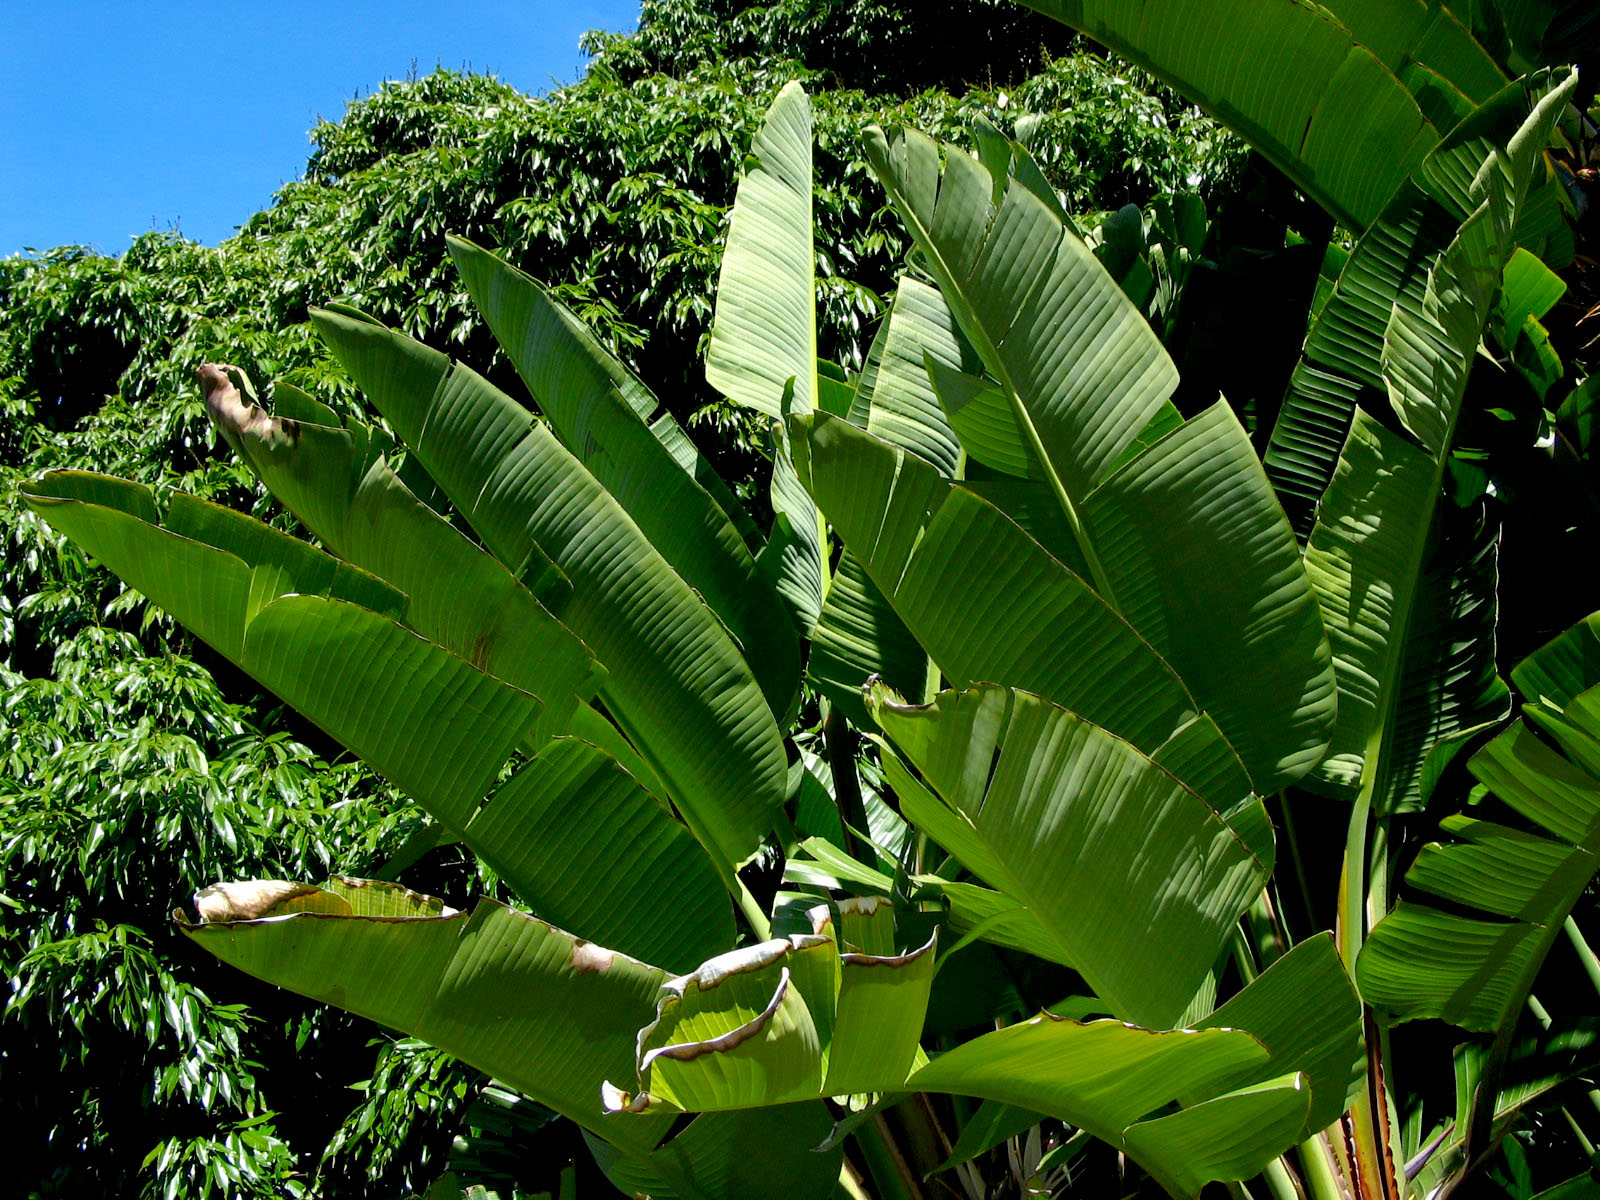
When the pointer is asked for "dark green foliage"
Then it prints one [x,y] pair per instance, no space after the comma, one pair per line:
[140,767]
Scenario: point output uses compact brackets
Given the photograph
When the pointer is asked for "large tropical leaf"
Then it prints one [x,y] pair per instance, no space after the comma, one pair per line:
[587,848]
[1476,971]
[1104,1076]
[535,1007]
[1083,371]
[988,603]
[547,1013]
[1344,98]
[1136,879]
[1389,272]
[1368,552]
[323,635]
[984,599]
[763,340]
[1181,532]
[763,349]
[894,397]
[769,1151]
[811,1015]
[334,476]
[599,409]
[858,635]
[677,684]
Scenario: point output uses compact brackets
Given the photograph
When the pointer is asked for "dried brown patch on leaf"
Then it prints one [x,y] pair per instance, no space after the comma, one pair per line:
[232,412]
[250,899]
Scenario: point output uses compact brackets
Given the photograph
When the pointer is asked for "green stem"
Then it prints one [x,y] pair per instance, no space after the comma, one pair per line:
[885,1163]
[1586,956]
[760,925]
[1281,1182]
[1542,1015]
[841,739]
[1317,1167]
[1353,881]
[1243,958]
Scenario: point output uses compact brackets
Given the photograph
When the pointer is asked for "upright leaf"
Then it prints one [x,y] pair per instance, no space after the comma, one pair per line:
[763,349]
[677,684]
[599,410]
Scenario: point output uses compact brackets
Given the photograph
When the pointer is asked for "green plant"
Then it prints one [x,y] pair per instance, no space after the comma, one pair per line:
[1137,650]
[615,189]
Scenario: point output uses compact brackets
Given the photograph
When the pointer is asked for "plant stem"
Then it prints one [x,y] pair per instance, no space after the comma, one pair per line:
[1315,1165]
[884,1160]
[1586,956]
[841,741]
[1243,958]
[760,925]
[1281,1182]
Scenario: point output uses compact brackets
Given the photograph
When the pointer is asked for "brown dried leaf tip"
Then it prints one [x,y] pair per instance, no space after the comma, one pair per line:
[247,900]
[228,408]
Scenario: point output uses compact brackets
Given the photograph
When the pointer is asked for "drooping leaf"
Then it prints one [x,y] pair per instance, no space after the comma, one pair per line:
[337,480]
[545,1012]
[294,618]
[1105,1076]
[1305,1011]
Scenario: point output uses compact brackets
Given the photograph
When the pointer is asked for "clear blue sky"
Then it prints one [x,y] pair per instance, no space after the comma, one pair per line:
[121,116]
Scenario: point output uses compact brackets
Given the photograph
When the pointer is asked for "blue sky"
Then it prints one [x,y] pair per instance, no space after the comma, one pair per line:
[121,116]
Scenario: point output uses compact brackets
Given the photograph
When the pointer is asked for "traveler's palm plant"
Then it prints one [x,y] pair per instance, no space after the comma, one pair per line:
[1076,629]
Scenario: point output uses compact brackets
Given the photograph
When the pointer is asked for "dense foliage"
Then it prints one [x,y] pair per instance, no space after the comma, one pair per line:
[140,766]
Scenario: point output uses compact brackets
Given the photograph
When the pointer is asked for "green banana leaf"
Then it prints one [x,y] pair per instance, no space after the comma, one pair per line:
[1345,98]
[676,684]
[1555,673]
[588,849]
[1244,1099]
[763,349]
[776,1151]
[988,603]
[336,479]
[1136,879]
[858,635]
[545,1012]
[1368,554]
[1104,1076]
[763,340]
[599,410]
[1476,971]
[305,625]
[1343,361]
[1084,377]
[1083,371]
[894,397]
[789,1019]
